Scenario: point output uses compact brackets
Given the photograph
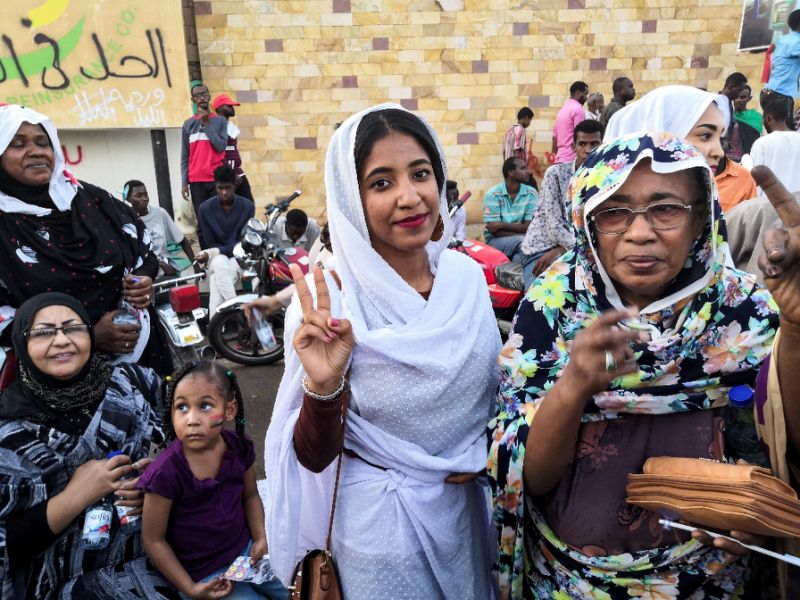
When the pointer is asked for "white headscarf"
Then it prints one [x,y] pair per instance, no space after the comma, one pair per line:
[422,382]
[62,186]
[671,108]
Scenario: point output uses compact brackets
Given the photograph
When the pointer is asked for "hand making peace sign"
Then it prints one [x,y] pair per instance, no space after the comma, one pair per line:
[780,262]
[323,343]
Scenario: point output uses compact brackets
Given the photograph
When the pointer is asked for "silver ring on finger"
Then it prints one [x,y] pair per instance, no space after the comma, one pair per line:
[611,362]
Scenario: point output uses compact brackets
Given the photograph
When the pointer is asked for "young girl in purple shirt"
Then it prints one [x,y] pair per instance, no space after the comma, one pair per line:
[202,508]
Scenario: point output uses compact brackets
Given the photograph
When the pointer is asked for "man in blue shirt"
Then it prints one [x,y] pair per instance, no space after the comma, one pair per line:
[222,218]
[508,208]
[785,71]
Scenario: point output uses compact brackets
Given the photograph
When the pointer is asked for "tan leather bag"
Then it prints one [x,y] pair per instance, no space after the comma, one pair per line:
[315,576]
[717,495]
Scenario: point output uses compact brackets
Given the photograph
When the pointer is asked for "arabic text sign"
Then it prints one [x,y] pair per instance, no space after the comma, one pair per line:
[96,63]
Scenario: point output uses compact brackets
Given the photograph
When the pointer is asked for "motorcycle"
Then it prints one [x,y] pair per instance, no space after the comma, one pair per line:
[265,270]
[504,278]
[177,304]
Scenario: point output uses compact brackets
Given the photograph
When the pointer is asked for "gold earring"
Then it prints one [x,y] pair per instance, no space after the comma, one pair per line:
[438,231]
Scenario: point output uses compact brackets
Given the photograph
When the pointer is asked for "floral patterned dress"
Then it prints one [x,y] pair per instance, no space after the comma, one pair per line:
[709,332]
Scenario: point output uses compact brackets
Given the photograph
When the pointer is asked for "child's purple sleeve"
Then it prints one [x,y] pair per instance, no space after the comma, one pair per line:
[161,476]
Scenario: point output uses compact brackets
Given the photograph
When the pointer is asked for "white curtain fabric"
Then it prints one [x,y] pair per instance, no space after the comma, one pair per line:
[62,188]
[423,376]
[671,108]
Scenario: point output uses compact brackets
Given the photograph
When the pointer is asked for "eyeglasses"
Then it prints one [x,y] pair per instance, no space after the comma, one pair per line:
[47,333]
[201,95]
[662,217]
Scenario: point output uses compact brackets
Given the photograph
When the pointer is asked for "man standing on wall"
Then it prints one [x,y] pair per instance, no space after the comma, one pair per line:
[567,119]
[203,140]
[624,92]
[515,142]
[223,106]
[508,208]
[785,71]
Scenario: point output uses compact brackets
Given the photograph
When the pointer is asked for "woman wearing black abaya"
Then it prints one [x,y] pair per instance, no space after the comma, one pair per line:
[59,235]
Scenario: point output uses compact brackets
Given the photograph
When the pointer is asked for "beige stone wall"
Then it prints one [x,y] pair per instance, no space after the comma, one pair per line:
[300,66]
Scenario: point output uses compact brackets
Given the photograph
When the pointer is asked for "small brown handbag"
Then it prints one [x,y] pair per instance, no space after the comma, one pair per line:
[315,576]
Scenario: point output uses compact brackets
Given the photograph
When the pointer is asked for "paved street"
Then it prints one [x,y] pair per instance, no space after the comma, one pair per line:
[259,386]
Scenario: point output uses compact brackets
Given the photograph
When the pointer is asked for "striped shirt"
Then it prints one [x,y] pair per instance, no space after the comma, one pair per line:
[499,207]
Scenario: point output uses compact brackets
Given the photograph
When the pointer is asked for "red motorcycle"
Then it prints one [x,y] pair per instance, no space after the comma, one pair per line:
[506,284]
[265,270]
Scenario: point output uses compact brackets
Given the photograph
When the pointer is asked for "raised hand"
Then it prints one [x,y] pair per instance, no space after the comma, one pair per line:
[138,290]
[601,353]
[323,343]
[780,262]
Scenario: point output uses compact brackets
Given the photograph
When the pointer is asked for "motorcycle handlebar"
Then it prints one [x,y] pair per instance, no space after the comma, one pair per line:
[283,204]
[459,203]
[179,280]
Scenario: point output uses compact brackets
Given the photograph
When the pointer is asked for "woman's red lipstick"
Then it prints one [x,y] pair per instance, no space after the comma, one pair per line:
[412,222]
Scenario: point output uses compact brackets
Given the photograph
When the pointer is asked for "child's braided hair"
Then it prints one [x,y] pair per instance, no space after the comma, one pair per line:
[226,383]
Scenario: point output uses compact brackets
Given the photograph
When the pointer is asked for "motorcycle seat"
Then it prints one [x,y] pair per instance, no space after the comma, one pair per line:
[509,275]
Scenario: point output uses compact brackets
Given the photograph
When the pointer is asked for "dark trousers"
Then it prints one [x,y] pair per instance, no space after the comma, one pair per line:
[769,96]
[200,192]
[243,188]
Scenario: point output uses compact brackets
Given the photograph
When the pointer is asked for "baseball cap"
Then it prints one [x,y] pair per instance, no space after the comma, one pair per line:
[222,100]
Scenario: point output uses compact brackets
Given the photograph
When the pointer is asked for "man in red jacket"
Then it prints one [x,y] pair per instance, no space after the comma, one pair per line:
[203,140]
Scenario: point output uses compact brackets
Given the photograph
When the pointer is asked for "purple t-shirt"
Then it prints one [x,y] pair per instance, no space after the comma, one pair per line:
[207,526]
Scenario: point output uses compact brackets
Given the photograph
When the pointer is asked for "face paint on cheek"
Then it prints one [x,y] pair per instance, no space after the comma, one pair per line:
[217,420]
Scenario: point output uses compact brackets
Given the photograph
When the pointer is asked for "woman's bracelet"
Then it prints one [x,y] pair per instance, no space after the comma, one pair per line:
[323,398]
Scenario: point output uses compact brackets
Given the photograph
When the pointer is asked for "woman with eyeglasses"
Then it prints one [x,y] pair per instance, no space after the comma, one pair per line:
[624,349]
[64,413]
[60,234]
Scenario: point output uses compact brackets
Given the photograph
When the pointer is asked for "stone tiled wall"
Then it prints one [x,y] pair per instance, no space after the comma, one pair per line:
[300,66]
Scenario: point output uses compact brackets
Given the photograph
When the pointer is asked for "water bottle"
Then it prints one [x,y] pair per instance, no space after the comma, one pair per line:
[97,525]
[127,523]
[126,314]
[740,426]
[264,331]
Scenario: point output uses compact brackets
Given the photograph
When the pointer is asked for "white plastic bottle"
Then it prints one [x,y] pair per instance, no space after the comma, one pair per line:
[266,336]
[97,525]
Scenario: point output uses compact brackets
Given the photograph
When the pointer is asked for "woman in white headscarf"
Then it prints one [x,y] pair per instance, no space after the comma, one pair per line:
[412,324]
[686,112]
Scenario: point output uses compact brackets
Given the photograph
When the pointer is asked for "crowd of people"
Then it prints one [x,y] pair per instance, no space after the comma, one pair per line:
[459,466]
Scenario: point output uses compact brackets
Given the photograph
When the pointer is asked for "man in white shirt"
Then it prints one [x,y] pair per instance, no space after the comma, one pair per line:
[780,148]
[159,224]
[459,218]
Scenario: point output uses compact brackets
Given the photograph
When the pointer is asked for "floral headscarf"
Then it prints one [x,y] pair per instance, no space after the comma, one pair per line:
[710,331]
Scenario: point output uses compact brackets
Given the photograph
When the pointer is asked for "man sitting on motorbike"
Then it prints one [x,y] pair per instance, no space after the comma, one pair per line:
[222,218]
[319,253]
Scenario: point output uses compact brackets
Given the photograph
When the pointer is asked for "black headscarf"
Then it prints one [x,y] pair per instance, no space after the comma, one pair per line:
[65,403]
